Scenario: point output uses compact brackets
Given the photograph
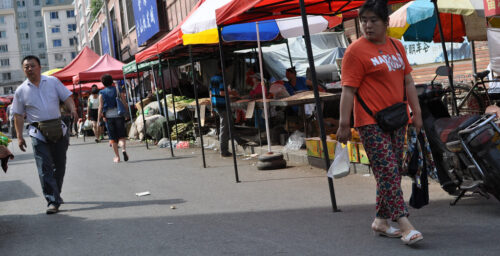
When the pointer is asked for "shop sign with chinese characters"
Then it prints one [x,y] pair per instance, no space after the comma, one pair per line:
[146,20]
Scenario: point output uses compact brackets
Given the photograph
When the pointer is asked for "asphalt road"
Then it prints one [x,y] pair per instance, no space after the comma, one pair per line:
[197,211]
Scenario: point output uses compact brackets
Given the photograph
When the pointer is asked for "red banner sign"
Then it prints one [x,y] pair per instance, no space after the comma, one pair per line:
[491,7]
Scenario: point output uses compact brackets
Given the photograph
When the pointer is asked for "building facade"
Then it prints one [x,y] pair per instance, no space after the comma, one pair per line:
[60,35]
[10,66]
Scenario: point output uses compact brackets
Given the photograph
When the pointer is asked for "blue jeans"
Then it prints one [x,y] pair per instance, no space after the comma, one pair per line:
[50,161]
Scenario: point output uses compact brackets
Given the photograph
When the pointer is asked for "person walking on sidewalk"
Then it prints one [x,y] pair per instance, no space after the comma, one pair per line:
[92,112]
[38,98]
[375,69]
[108,110]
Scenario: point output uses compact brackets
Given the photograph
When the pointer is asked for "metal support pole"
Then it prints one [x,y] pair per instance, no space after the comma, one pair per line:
[160,74]
[228,105]
[142,105]
[81,110]
[474,64]
[289,54]
[173,98]
[310,56]
[445,54]
[264,100]
[195,87]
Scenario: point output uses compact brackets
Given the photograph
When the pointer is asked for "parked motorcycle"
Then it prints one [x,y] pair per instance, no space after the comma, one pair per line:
[466,149]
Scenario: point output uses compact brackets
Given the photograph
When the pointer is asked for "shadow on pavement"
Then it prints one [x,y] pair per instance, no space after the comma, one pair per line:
[108,205]
[160,159]
[15,190]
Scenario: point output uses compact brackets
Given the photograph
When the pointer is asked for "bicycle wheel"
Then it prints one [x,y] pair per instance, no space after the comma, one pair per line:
[466,105]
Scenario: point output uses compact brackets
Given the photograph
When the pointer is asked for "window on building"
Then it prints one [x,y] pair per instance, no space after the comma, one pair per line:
[39,24]
[4,48]
[42,56]
[56,29]
[49,1]
[3,34]
[36,2]
[130,14]
[73,55]
[21,3]
[70,14]
[23,25]
[8,90]
[38,14]
[21,14]
[71,27]
[73,41]
[57,43]
[25,47]
[4,62]
[54,15]
[6,76]
[39,34]
[2,19]
[58,56]
[122,17]
[41,45]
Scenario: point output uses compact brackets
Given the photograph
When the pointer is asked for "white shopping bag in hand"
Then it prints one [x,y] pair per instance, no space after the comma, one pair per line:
[340,166]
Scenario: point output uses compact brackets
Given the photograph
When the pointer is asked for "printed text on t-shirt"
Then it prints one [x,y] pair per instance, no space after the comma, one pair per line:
[393,62]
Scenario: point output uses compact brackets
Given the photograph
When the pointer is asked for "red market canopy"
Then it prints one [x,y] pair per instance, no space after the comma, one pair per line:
[169,41]
[85,59]
[86,87]
[239,11]
[104,65]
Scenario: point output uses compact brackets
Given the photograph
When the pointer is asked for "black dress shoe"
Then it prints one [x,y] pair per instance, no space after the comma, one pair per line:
[226,154]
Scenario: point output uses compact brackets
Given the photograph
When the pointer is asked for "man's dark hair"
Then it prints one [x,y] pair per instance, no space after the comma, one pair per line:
[292,70]
[31,57]
[379,7]
[107,80]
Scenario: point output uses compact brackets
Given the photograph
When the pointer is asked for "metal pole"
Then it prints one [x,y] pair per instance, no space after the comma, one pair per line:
[173,98]
[445,54]
[142,105]
[156,88]
[160,74]
[195,86]
[310,56]
[266,116]
[474,64]
[289,54]
[81,109]
[128,98]
[228,105]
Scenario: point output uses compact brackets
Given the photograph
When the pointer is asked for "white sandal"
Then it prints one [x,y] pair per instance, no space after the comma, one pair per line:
[407,239]
[389,232]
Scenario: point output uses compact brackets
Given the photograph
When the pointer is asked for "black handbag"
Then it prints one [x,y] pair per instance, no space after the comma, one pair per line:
[393,117]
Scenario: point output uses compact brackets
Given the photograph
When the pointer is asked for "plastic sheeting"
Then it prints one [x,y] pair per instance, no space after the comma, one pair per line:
[494,47]
[327,47]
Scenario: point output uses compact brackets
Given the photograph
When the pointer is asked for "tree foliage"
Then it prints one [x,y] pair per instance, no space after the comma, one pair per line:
[95,7]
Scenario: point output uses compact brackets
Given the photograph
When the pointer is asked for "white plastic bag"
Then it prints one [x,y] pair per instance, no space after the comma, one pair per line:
[340,166]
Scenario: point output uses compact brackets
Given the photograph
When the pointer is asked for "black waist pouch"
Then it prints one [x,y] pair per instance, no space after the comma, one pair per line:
[51,129]
[393,117]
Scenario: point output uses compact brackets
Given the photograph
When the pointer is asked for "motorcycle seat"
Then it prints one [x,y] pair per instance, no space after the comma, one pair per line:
[447,128]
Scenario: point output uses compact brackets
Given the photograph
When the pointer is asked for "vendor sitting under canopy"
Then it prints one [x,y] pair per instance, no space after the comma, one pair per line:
[296,84]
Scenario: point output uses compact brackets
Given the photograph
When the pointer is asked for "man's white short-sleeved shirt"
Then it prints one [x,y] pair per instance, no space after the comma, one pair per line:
[40,103]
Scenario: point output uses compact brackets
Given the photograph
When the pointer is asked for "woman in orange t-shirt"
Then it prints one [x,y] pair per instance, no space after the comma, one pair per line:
[375,67]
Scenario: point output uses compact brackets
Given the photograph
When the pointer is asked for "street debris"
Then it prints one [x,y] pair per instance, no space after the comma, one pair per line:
[173,207]
[145,193]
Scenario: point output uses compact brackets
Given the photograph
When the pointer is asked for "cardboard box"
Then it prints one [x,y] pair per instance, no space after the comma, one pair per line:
[312,146]
[352,148]
[363,157]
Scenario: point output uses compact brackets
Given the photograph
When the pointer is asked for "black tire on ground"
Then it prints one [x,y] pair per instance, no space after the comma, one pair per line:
[270,157]
[272,165]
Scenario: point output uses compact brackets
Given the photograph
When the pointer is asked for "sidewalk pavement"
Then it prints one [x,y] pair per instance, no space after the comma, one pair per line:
[193,210]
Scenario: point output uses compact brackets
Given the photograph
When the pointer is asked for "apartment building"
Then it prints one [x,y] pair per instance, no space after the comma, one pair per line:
[10,66]
[60,35]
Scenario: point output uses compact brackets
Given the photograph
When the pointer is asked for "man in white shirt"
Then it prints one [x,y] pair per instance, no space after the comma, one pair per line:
[38,98]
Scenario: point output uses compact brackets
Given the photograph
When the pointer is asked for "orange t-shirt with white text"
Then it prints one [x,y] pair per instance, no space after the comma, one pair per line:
[378,72]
